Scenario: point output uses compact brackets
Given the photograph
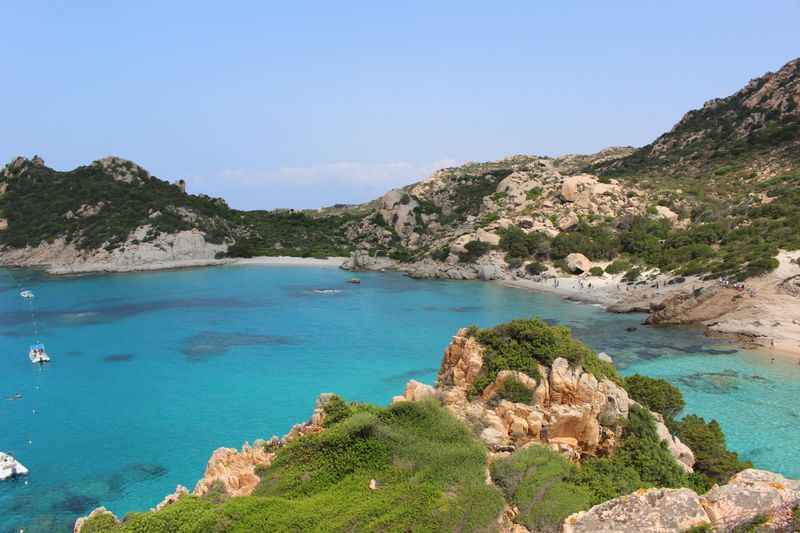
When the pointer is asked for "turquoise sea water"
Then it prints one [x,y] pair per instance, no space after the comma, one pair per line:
[152,372]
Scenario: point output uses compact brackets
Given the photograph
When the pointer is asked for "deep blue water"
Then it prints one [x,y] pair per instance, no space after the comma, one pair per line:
[152,372]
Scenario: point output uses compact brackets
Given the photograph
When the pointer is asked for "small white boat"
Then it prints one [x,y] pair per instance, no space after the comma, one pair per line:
[37,354]
[10,467]
[25,293]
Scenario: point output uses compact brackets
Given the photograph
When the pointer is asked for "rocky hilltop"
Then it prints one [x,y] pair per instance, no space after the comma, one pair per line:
[525,430]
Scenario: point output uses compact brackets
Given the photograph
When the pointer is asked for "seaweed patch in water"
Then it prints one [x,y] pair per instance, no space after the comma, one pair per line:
[207,344]
[76,503]
[118,358]
[712,382]
[405,376]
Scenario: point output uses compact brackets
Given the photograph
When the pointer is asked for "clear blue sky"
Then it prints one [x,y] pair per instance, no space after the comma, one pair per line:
[301,104]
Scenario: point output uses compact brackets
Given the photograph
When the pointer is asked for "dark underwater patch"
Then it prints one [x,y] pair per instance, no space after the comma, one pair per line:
[118,358]
[712,382]
[465,309]
[76,504]
[208,344]
[411,374]
[110,313]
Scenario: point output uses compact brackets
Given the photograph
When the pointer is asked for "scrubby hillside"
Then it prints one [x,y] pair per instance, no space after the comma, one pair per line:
[517,436]
[716,196]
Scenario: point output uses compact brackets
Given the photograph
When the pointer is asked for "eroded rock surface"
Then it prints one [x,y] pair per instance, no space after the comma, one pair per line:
[644,511]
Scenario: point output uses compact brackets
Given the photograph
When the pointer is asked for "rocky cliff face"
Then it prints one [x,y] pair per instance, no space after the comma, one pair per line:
[166,250]
[571,411]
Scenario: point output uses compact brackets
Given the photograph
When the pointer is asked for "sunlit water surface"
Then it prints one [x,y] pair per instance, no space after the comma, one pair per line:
[152,372]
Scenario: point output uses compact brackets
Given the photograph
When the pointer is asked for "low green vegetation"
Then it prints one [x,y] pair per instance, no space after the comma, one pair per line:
[515,391]
[657,395]
[474,250]
[292,233]
[428,467]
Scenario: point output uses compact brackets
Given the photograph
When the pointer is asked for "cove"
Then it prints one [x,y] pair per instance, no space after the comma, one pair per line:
[151,372]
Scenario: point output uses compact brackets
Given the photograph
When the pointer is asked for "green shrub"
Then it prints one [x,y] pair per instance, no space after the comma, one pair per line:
[335,411]
[620,265]
[643,451]
[441,254]
[536,480]
[475,249]
[632,275]
[596,271]
[535,268]
[514,262]
[534,193]
[713,461]
[657,395]
[514,391]
[520,244]
[595,242]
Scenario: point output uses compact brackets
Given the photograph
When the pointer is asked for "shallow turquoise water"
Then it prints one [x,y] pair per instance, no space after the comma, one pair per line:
[152,372]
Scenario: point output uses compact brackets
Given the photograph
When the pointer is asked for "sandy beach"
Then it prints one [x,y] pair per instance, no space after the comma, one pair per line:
[290,261]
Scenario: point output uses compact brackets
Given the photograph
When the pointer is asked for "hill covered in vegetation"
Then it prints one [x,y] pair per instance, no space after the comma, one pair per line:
[715,196]
[115,205]
[428,462]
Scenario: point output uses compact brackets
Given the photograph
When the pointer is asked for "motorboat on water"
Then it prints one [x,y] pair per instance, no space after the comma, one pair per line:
[37,354]
[10,467]
[25,293]
[354,281]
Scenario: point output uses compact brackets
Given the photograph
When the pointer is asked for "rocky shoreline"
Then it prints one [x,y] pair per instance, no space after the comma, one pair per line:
[763,315]
[571,412]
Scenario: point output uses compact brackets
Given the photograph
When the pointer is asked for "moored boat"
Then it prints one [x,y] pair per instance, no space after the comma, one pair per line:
[10,467]
[37,354]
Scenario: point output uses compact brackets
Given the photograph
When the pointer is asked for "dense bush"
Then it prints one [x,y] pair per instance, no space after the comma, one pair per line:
[535,268]
[596,271]
[475,249]
[643,451]
[440,254]
[714,462]
[520,244]
[513,390]
[523,344]
[595,242]
[618,266]
[656,394]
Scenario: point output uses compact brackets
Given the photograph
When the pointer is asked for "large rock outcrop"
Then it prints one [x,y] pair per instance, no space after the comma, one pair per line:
[644,511]
[750,495]
[234,471]
[570,410]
